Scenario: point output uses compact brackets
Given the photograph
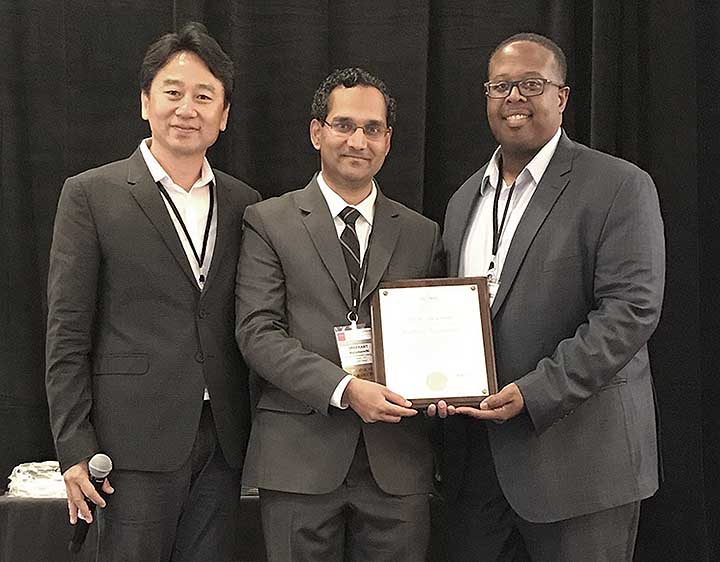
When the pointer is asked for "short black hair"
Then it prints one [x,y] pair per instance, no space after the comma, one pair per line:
[349,78]
[192,38]
[541,40]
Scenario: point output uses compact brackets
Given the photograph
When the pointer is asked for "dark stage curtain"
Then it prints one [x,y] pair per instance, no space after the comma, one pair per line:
[644,77]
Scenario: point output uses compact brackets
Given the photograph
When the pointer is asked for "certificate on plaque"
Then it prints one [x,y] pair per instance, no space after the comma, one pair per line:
[432,340]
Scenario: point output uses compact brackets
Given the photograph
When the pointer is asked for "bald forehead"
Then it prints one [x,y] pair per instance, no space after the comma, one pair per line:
[531,53]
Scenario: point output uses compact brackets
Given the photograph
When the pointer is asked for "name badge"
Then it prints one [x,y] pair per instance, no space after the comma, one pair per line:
[354,344]
[493,283]
[493,287]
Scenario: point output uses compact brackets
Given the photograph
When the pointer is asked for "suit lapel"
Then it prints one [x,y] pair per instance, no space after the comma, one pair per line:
[146,193]
[384,237]
[554,180]
[455,231]
[222,204]
[319,224]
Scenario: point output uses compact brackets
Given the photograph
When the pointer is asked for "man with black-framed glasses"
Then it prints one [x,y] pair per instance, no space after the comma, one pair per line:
[344,465]
[572,243]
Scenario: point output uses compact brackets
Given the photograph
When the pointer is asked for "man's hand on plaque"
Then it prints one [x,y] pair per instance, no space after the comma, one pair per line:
[373,402]
[500,407]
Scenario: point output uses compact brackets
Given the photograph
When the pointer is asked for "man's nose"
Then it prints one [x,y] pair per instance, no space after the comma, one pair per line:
[515,94]
[358,139]
[186,108]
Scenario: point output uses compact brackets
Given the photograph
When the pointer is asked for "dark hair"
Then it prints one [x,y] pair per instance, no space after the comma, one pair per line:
[541,40]
[349,78]
[192,38]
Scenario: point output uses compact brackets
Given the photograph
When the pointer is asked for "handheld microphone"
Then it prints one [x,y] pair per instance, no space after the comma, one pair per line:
[99,467]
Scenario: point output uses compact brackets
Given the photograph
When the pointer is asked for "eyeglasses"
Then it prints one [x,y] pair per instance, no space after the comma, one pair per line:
[372,131]
[529,87]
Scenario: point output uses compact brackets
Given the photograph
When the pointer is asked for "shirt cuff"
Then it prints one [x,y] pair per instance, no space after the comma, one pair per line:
[336,398]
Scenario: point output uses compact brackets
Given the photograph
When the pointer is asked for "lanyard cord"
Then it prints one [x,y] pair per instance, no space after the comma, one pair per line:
[497,230]
[201,258]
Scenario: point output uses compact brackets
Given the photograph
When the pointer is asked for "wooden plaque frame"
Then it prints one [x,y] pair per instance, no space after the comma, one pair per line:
[380,349]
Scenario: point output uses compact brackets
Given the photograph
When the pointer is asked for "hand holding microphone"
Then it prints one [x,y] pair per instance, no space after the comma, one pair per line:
[86,481]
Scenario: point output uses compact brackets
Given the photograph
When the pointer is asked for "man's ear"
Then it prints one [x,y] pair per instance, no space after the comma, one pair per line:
[388,140]
[315,133]
[563,95]
[144,101]
[225,114]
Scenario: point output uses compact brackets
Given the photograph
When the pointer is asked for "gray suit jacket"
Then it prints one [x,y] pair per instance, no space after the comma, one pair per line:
[293,287]
[131,340]
[580,295]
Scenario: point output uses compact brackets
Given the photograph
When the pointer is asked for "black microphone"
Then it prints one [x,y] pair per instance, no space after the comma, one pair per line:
[99,467]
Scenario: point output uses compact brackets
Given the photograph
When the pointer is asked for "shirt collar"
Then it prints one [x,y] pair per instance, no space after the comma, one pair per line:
[535,168]
[159,174]
[336,204]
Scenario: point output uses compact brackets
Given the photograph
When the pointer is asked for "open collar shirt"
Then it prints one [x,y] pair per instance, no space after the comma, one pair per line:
[476,252]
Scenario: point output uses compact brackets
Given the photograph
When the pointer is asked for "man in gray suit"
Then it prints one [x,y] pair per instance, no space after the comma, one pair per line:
[572,241]
[344,465]
[141,359]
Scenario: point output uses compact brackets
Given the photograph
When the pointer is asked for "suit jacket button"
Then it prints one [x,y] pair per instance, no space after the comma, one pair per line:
[202,313]
[199,357]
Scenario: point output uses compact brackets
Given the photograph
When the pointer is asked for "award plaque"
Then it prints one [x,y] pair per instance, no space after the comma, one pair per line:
[432,340]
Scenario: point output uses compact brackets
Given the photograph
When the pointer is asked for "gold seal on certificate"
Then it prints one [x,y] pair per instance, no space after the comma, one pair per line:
[432,340]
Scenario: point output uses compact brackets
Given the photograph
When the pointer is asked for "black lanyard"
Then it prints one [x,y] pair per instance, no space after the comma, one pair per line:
[201,258]
[498,229]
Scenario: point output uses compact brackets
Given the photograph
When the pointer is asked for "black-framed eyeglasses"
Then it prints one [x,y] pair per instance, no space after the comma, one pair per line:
[528,87]
[345,128]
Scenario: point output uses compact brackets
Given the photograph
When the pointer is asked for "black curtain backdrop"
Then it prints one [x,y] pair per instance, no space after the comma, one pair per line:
[644,75]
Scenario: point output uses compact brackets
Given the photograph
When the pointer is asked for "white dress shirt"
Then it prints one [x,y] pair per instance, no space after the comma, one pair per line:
[363,227]
[476,253]
[193,207]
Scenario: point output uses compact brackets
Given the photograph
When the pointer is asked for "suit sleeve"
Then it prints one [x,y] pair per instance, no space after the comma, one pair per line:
[262,325]
[437,267]
[627,291]
[72,288]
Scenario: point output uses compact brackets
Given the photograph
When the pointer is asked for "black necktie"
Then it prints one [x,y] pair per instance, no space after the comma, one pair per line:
[351,246]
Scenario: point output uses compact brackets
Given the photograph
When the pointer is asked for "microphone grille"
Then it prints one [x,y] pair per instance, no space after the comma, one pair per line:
[100,466]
